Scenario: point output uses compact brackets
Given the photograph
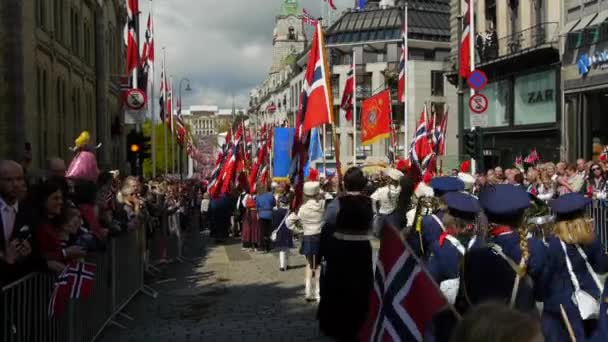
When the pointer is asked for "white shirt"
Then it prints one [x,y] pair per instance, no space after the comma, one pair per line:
[205,205]
[9,214]
[310,217]
[387,197]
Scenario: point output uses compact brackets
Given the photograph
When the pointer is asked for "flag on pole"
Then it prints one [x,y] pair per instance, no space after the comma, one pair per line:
[148,50]
[348,95]
[441,135]
[467,37]
[533,157]
[315,109]
[604,155]
[403,65]
[130,35]
[404,297]
[331,4]
[376,118]
[162,101]
[307,18]
[420,148]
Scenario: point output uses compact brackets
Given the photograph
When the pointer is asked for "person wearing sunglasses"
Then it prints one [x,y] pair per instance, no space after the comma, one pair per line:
[596,182]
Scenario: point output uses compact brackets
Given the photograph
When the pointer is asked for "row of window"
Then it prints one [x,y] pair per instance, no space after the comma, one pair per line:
[205,132]
[204,124]
[73,112]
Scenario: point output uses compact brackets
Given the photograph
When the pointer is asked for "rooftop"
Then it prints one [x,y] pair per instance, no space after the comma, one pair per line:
[427,20]
[204,108]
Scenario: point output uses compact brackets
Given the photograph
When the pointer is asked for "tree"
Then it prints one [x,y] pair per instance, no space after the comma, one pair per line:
[159,147]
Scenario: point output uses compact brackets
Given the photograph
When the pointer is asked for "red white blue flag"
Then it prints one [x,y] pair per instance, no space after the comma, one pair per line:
[132,52]
[403,65]
[307,18]
[466,43]
[331,4]
[420,148]
[404,298]
[315,109]
[348,95]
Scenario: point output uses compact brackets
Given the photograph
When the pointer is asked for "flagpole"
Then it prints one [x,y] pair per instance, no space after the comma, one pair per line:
[405,102]
[165,109]
[172,129]
[354,110]
[151,97]
[323,153]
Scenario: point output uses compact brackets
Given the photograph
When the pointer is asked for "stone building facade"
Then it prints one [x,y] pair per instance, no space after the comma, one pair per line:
[59,74]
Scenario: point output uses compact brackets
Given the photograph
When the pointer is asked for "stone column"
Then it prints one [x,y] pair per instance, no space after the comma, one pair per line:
[101,90]
[503,15]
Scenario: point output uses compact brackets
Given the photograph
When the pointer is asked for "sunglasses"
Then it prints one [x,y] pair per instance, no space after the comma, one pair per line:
[596,169]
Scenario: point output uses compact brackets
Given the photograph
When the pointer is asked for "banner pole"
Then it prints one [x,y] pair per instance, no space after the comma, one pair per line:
[405,102]
[354,110]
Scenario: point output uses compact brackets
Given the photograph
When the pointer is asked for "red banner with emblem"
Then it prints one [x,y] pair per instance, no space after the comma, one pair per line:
[376,118]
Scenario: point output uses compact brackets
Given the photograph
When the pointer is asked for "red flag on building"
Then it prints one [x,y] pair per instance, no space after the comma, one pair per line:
[348,95]
[376,118]
[307,18]
[467,38]
[147,55]
[131,35]
[401,89]
[404,298]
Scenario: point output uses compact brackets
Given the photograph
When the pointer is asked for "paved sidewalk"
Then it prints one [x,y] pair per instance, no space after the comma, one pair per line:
[222,294]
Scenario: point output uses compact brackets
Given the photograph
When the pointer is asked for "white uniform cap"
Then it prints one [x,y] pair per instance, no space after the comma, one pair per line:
[394,174]
[468,180]
[312,188]
[423,190]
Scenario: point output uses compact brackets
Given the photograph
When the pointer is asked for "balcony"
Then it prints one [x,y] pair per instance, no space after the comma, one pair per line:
[489,48]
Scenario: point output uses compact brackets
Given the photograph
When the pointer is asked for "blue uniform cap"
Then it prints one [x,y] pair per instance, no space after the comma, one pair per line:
[504,200]
[569,206]
[442,185]
[461,204]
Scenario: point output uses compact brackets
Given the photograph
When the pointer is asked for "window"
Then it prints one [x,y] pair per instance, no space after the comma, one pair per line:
[499,97]
[535,98]
[436,83]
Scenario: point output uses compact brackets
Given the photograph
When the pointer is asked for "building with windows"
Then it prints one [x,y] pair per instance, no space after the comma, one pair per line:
[59,75]
[373,36]
[585,78]
[517,46]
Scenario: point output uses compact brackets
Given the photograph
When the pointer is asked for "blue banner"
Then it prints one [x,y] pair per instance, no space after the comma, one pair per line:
[314,150]
[283,141]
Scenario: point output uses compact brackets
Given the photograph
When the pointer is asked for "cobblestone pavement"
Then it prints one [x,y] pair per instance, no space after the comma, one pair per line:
[221,293]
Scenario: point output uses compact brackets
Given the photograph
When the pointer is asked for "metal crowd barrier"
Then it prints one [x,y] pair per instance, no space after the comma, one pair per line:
[118,278]
[599,212]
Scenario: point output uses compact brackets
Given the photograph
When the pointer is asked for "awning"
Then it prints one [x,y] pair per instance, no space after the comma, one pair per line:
[584,22]
[568,27]
[601,17]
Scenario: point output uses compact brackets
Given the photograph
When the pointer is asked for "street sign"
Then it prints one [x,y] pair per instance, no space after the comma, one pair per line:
[477,80]
[478,103]
[135,99]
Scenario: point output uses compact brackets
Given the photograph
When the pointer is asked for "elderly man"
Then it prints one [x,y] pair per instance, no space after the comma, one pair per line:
[581,168]
[15,240]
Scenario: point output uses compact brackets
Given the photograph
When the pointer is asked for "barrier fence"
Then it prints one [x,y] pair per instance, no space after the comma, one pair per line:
[599,212]
[118,278]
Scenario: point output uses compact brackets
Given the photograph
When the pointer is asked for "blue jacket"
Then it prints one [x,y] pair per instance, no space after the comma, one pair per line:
[431,230]
[444,262]
[264,204]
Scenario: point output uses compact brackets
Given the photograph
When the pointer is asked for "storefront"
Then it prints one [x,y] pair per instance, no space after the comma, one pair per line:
[585,100]
[523,114]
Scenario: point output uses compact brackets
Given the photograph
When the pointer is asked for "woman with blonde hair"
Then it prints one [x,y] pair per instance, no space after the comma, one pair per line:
[309,221]
[574,259]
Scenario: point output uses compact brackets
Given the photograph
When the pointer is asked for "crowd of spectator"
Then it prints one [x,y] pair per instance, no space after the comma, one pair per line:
[49,221]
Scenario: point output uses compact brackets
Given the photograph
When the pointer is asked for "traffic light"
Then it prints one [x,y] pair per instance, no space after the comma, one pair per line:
[473,143]
[145,151]
[132,147]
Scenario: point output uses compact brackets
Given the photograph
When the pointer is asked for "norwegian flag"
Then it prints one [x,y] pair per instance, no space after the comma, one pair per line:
[169,101]
[162,100]
[60,295]
[467,39]
[440,132]
[130,35]
[420,148]
[331,4]
[533,157]
[519,160]
[315,109]
[147,55]
[403,65]
[271,108]
[228,171]
[404,298]
[430,130]
[348,95]
[81,276]
[307,18]
[604,155]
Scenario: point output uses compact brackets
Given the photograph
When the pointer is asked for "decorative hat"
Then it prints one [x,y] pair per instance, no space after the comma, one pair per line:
[569,206]
[461,204]
[442,185]
[313,175]
[503,201]
[312,188]
[403,165]
[467,179]
[423,190]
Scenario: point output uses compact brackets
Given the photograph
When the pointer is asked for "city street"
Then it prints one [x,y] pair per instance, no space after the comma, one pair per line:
[222,293]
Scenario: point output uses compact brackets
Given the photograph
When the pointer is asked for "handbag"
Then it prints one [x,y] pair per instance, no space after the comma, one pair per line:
[273,235]
[588,306]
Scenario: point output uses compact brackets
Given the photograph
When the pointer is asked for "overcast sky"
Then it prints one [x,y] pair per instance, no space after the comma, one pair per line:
[223,46]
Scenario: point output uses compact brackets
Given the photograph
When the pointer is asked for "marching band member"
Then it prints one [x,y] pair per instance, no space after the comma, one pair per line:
[283,237]
[575,257]
[309,221]
[385,200]
[458,238]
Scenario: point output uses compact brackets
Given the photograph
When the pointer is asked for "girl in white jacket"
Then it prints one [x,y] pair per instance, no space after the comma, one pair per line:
[309,221]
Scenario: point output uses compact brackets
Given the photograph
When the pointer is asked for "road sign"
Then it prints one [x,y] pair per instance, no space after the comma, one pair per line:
[477,80]
[478,103]
[135,99]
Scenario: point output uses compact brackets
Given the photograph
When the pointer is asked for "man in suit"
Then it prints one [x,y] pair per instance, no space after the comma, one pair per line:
[15,240]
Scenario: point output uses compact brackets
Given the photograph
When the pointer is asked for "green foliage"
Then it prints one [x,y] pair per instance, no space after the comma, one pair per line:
[159,146]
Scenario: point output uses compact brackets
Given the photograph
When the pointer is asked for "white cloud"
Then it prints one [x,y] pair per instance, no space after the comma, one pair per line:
[223,46]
